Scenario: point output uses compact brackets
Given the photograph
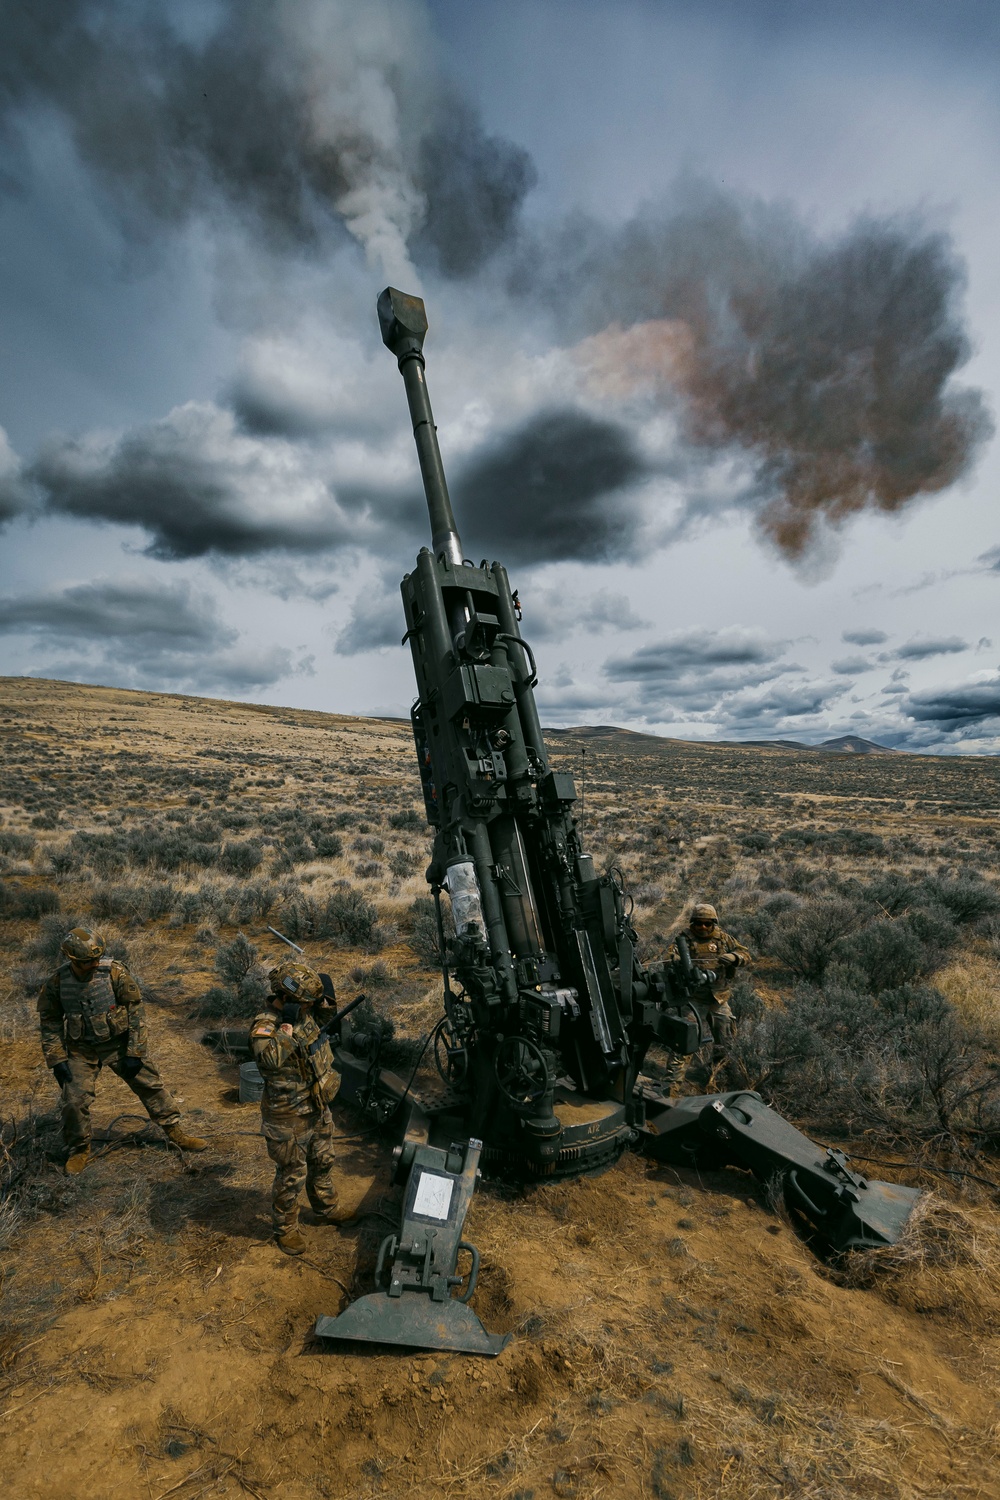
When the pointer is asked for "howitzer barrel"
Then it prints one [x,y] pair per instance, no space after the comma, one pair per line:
[404,323]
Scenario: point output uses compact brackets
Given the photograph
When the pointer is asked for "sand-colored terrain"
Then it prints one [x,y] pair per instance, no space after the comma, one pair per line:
[673,1337]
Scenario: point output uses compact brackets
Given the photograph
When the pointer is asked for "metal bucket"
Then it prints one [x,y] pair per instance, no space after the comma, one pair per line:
[251,1083]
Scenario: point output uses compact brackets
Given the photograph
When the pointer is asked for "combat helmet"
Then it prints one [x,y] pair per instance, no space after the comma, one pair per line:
[703,912]
[83,945]
[295,981]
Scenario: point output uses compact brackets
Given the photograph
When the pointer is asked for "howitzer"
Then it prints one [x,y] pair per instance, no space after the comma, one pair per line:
[551,1013]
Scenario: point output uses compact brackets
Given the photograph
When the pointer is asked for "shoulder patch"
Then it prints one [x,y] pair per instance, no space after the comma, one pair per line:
[263,1028]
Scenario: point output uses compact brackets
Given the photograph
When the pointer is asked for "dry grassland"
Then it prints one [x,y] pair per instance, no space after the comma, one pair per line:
[674,1339]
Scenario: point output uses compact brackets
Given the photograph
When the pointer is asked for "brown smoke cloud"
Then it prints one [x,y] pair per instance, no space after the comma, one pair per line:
[827,365]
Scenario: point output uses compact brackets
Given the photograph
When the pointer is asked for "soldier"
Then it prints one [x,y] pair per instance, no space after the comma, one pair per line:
[300,1083]
[713,949]
[90,1012]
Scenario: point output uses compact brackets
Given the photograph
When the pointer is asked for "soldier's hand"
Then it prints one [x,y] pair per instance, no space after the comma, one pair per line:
[62,1073]
[288,1030]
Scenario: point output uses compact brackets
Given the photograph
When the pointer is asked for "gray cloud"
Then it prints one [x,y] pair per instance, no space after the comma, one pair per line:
[308,120]
[828,364]
[920,649]
[781,701]
[552,490]
[199,484]
[966,703]
[376,621]
[196,485]
[991,559]
[474,185]
[864,637]
[694,650]
[16,496]
[850,666]
[140,633]
[135,613]
[551,614]
[700,671]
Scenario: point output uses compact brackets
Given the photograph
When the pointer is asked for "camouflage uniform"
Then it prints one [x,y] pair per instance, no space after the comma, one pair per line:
[707,947]
[706,954]
[300,1082]
[88,1022]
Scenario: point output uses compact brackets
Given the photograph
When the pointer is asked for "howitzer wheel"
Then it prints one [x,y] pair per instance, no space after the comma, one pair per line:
[522,1072]
[451,1056]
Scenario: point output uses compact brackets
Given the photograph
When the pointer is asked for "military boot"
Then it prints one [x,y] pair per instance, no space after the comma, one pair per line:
[334,1216]
[186,1142]
[77,1160]
[290,1240]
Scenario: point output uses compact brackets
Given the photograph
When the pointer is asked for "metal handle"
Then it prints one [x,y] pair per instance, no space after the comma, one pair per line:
[387,1247]
[518,640]
[792,1181]
[473,1270]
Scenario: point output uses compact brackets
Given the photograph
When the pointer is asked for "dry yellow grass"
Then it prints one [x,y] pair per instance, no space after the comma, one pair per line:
[674,1339]
[972,984]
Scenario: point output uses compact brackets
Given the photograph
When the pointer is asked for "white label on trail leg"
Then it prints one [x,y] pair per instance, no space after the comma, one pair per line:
[433,1196]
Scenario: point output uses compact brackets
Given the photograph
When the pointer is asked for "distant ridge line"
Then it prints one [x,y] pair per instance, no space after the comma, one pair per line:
[844,744]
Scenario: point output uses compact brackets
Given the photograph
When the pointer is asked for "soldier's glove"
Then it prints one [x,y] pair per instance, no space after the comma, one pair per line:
[131,1067]
[62,1073]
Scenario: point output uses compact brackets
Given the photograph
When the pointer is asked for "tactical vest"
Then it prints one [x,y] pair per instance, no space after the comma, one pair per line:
[705,954]
[307,1079]
[92,1013]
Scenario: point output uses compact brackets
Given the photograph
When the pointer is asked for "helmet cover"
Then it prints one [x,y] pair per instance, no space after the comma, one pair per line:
[83,945]
[295,981]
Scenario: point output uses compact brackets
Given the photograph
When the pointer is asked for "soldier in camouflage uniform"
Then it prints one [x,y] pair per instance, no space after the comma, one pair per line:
[300,1083]
[90,1012]
[713,949]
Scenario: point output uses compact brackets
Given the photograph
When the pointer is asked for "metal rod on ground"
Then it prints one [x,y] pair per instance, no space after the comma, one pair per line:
[281,935]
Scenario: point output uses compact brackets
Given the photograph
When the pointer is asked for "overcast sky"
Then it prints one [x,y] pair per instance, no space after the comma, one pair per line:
[714,297]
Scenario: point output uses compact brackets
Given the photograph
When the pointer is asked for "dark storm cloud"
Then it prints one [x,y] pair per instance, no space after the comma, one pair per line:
[141,633]
[849,666]
[699,671]
[305,120]
[953,707]
[13,499]
[551,490]
[132,613]
[921,649]
[784,701]
[195,485]
[694,650]
[474,185]
[864,637]
[266,412]
[376,621]
[827,363]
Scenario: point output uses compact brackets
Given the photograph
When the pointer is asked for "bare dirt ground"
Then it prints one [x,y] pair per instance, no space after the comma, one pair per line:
[673,1338]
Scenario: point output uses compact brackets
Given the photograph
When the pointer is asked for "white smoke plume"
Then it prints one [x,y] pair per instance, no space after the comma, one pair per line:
[305,119]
